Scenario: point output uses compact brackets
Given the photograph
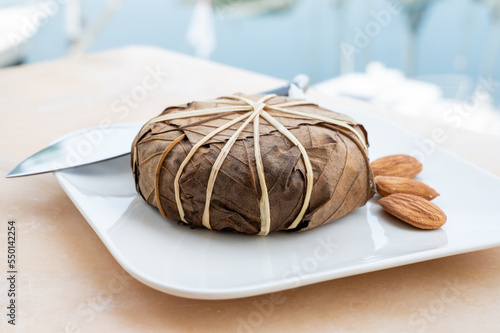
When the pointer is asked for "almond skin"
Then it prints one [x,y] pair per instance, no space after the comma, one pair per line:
[414,210]
[387,185]
[404,166]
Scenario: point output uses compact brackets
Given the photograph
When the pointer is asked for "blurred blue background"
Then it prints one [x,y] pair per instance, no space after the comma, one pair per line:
[439,41]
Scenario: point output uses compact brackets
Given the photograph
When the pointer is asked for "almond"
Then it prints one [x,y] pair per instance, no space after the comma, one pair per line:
[387,185]
[396,165]
[414,210]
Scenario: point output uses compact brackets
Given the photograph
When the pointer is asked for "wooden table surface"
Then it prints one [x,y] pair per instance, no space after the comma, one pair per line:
[69,282]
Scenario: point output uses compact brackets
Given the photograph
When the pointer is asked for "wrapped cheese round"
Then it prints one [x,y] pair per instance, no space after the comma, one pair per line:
[253,164]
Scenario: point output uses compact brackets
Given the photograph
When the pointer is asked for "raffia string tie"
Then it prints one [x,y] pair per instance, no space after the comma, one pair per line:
[252,112]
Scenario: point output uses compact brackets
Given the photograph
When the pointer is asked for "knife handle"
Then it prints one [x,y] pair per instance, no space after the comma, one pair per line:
[301,81]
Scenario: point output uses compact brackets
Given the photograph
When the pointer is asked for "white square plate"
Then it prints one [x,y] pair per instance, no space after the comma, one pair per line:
[204,264]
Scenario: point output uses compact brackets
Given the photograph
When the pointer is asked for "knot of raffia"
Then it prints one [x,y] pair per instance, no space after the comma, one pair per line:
[252,112]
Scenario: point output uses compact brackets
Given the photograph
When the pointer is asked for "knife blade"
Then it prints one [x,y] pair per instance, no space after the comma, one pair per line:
[83,147]
[98,144]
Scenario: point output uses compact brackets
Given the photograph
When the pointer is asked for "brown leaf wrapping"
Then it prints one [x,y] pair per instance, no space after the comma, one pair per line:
[343,179]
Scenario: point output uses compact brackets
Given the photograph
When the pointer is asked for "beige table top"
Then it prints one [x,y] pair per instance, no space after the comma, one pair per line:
[65,272]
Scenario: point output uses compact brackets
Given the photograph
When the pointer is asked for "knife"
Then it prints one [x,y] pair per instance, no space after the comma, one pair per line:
[96,144]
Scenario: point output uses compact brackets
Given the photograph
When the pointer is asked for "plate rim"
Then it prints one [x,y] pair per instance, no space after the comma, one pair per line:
[281,284]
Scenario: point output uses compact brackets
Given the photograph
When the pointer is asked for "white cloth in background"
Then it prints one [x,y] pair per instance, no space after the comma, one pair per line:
[16,28]
[390,89]
[201,31]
